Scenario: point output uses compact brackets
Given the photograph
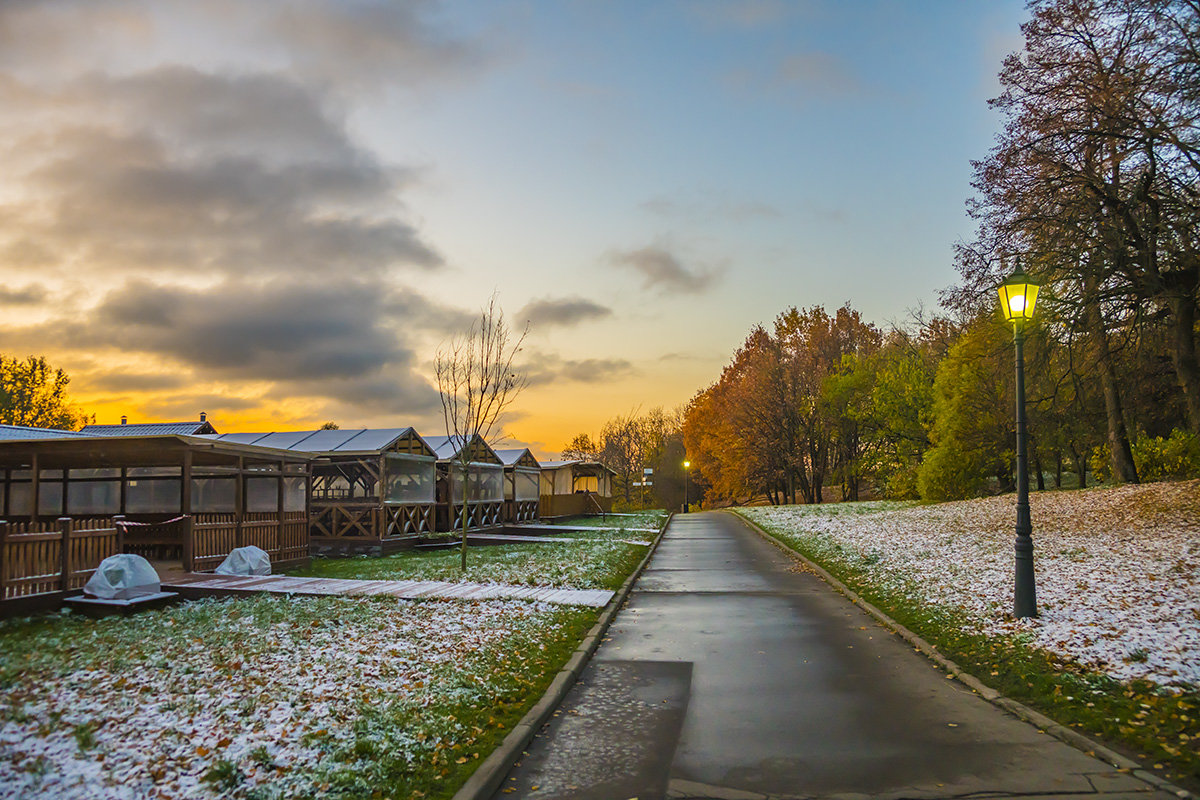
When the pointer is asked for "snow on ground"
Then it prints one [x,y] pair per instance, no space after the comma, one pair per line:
[145,707]
[1118,569]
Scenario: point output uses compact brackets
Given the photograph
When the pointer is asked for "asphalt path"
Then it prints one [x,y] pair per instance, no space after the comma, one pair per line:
[734,673]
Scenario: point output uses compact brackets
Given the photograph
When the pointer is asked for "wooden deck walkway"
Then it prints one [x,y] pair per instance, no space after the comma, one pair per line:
[194,585]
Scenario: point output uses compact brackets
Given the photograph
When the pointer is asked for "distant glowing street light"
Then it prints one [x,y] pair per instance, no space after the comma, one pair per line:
[687,465]
[1018,295]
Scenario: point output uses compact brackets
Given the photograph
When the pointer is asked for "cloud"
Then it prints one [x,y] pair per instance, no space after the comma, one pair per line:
[546,368]
[250,174]
[337,342]
[103,381]
[662,270]
[30,295]
[372,44]
[564,311]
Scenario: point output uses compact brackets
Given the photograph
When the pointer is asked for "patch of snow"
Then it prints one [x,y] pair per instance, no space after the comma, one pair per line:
[1117,569]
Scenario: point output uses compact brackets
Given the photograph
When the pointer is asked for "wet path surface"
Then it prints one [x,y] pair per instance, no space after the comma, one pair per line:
[734,673]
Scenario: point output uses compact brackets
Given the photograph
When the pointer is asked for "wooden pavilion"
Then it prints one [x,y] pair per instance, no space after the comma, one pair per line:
[484,499]
[373,489]
[522,480]
[575,487]
[183,500]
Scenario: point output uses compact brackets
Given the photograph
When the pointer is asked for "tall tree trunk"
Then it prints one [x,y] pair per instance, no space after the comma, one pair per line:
[1123,468]
[1036,458]
[1183,355]
[1080,466]
[1058,467]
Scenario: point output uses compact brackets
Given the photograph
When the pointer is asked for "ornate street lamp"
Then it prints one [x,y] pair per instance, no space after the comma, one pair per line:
[687,465]
[1018,294]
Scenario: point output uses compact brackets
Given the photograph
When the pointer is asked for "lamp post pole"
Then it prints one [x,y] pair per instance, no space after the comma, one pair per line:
[1025,593]
[686,504]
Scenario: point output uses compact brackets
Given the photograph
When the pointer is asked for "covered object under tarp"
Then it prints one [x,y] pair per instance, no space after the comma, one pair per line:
[373,489]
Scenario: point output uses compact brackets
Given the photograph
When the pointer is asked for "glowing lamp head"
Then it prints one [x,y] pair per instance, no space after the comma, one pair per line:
[1018,294]
[687,464]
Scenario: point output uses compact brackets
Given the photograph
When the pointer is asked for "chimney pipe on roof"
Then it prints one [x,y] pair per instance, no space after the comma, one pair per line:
[203,416]
[124,420]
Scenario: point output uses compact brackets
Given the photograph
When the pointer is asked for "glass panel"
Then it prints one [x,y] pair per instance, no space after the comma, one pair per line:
[214,494]
[21,475]
[153,497]
[456,483]
[409,481]
[489,483]
[50,499]
[93,497]
[509,478]
[108,472]
[262,494]
[527,486]
[19,499]
[295,494]
[154,472]
[52,474]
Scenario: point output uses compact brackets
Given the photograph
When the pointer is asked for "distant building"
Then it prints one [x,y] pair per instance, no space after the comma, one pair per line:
[484,498]
[373,489]
[200,427]
[575,487]
[522,485]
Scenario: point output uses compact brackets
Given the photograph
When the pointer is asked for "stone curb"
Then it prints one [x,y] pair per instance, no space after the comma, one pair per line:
[486,780]
[1019,710]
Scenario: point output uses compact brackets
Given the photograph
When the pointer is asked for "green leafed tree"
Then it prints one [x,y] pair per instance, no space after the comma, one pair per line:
[972,408]
[33,393]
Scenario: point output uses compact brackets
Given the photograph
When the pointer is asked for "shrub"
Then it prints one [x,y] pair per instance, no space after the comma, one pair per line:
[949,472]
[1174,458]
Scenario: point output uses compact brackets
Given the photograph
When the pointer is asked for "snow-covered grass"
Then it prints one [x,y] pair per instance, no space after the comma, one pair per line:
[271,697]
[1116,651]
[592,561]
[1118,569]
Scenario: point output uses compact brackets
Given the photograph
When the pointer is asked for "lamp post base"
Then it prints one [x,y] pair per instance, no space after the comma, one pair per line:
[1025,593]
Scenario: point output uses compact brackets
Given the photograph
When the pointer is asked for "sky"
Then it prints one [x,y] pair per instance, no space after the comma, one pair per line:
[277,212]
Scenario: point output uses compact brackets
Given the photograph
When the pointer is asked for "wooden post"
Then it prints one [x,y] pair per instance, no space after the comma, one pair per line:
[189,527]
[64,524]
[118,523]
[239,502]
[189,544]
[3,559]
[279,535]
[34,488]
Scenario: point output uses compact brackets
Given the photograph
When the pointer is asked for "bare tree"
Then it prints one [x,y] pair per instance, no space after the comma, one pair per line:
[477,381]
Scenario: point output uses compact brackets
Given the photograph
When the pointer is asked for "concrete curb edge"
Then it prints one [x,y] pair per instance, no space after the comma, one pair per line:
[1019,710]
[485,781]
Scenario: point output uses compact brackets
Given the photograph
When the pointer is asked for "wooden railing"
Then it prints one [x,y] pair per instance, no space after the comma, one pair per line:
[479,515]
[521,510]
[406,520]
[43,558]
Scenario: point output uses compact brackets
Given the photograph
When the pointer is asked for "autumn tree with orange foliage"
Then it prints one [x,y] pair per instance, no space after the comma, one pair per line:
[767,427]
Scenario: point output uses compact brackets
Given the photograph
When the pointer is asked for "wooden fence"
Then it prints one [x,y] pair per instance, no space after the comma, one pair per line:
[53,558]
[214,536]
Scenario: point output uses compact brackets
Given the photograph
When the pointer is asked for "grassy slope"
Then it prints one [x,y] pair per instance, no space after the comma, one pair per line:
[1161,730]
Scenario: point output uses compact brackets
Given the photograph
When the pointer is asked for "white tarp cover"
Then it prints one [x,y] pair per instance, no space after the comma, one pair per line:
[246,561]
[122,576]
